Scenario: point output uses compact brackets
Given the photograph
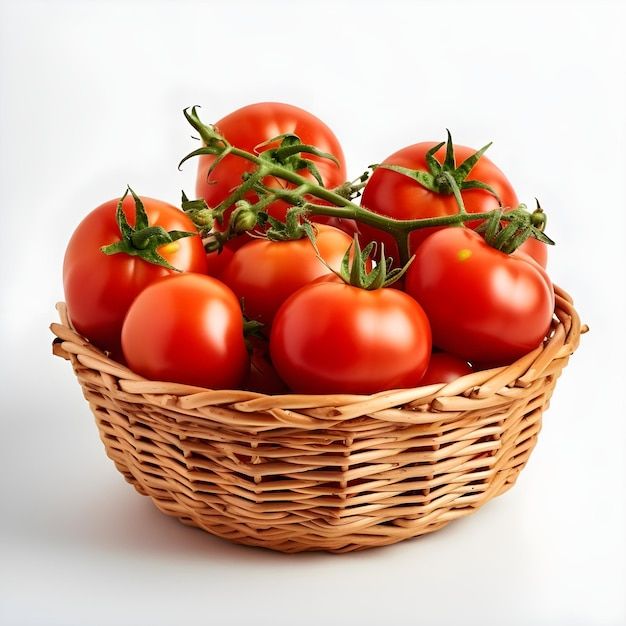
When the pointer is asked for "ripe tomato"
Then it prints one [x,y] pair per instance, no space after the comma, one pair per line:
[254,124]
[218,261]
[537,250]
[99,288]
[396,195]
[483,305]
[265,273]
[336,338]
[444,368]
[187,329]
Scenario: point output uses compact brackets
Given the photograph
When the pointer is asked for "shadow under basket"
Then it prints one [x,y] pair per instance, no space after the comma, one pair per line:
[335,472]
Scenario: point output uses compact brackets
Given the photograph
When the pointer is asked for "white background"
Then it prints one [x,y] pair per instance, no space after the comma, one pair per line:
[91,99]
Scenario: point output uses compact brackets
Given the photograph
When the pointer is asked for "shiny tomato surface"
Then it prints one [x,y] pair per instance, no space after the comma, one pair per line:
[265,273]
[330,337]
[187,329]
[483,305]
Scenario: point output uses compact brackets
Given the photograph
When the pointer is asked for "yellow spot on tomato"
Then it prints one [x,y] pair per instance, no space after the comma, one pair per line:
[463,254]
[169,248]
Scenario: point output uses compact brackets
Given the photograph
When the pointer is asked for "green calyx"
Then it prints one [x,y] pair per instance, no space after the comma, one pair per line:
[508,231]
[214,242]
[143,240]
[445,178]
[244,217]
[213,142]
[289,155]
[295,226]
[351,190]
[355,272]
[198,211]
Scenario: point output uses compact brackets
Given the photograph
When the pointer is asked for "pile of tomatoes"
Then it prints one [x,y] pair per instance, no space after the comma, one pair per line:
[309,314]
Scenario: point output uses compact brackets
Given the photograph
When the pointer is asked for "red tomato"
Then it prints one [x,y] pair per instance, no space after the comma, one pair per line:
[99,288]
[254,124]
[187,329]
[217,261]
[398,196]
[265,273]
[444,368]
[537,250]
[483,305]
[335,338]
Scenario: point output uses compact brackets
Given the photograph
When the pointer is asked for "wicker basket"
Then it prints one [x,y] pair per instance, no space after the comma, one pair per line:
[335,473]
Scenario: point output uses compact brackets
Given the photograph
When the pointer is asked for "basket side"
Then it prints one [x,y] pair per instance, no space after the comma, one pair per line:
[335,473]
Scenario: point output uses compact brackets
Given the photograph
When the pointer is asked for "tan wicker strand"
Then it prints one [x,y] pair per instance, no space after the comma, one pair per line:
[335,473]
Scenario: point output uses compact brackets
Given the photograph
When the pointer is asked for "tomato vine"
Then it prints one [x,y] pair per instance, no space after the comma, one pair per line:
[505,230]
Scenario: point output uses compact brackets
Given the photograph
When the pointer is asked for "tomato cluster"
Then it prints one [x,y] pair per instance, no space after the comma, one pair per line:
[271,290]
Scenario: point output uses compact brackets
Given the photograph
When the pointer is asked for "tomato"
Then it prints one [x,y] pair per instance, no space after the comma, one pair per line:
[537,250]
[444,368]
[396,195]
[336,338]
[255,124]
[99,288]
[187,329]
[217,261]
[265,273]
[484,306]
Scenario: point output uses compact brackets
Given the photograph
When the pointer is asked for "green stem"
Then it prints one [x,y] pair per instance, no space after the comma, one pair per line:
[390,224]
[141,238]
[345,208]
[304,186]
[402,240]
[239,192]
[456,191]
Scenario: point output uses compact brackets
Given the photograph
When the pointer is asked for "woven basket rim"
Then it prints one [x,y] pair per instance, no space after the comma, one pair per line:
[472,391]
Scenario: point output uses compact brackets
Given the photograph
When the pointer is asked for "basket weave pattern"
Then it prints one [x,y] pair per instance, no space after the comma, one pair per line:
[335,473]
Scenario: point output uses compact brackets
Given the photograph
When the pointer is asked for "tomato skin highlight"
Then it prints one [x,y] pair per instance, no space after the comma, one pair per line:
[265,273]
[444,368]
[395,195]
[254,124]
[335,338]
[99,288]
[187,329]
[484,306]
